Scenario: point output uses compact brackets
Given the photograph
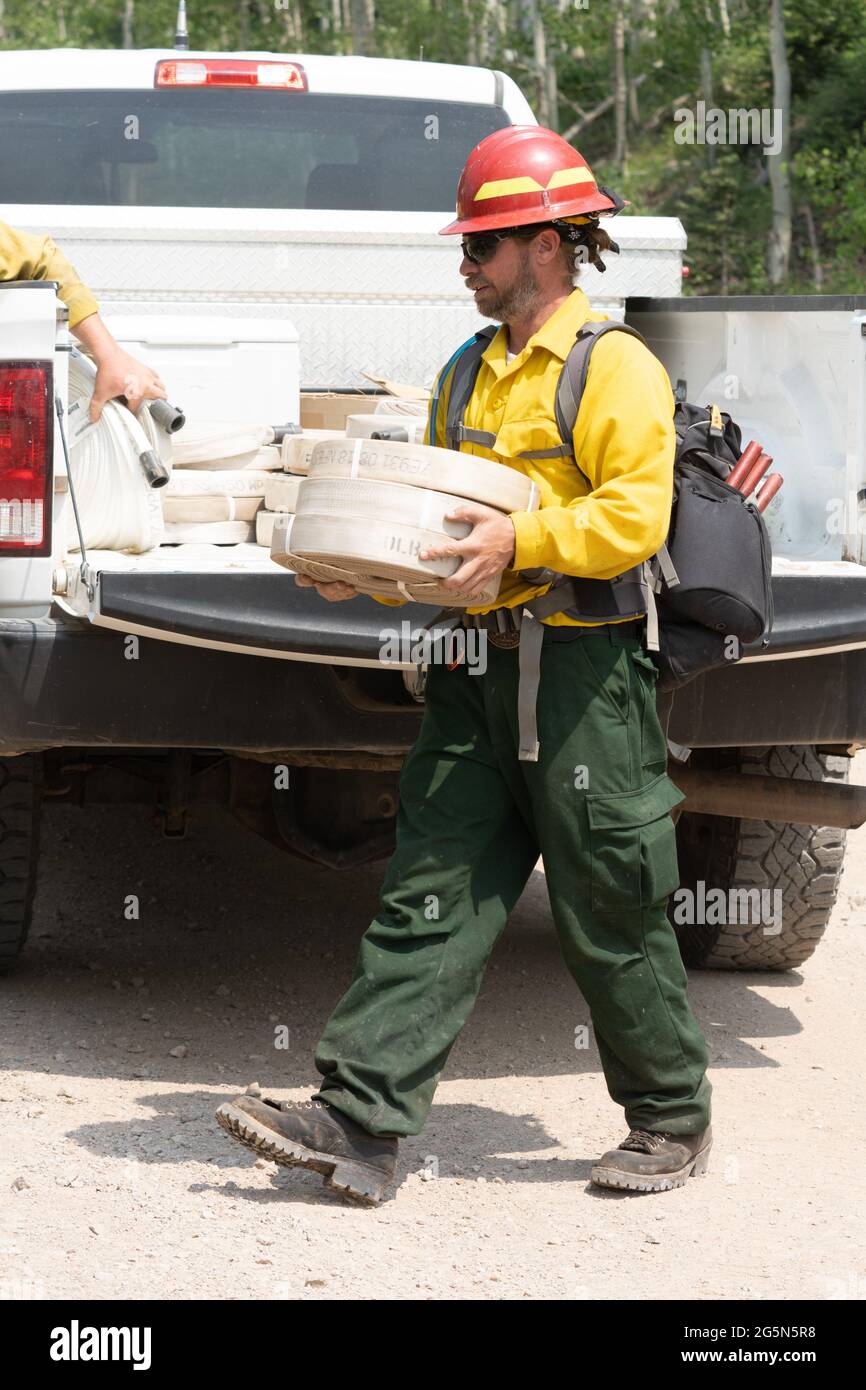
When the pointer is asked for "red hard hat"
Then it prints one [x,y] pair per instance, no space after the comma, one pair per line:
[524,174]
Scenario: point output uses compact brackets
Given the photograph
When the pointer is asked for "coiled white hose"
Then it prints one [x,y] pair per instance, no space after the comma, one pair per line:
[220,444]
[117,507]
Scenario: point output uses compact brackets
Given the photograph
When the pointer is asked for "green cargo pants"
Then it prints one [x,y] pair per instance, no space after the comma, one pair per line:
[471,823]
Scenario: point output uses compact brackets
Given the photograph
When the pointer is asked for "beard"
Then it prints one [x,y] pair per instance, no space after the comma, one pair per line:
[517,302]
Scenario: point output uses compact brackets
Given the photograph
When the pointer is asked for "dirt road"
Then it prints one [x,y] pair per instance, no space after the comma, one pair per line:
[120,1036]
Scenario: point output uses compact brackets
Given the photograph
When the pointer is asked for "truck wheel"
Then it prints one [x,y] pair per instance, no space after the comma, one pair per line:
[20,806]
[803,862]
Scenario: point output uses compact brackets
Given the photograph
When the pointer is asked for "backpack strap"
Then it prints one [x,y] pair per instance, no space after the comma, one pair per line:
[625,596]
[467,360]
[442,378]
[572,381]
[572,384]
[569,394]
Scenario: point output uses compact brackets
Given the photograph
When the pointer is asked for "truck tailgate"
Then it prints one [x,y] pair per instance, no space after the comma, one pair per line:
[235,598]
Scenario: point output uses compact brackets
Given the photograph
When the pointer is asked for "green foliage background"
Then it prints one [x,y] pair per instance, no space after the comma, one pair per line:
[721,194]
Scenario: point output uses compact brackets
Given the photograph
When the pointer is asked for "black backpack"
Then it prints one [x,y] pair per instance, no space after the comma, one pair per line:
[708,590]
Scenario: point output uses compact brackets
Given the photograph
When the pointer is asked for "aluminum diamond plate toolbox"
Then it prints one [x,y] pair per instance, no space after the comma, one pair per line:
[381,292]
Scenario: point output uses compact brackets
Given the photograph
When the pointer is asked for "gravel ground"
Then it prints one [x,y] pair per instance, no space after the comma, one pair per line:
[121,1036]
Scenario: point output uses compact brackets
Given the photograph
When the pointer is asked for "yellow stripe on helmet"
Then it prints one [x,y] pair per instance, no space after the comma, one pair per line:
[576,175]
[502,188]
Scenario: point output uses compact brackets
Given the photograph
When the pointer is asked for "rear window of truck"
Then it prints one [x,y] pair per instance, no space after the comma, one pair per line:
[237,149]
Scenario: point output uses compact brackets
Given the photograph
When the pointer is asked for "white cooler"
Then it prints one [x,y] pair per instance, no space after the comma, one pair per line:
[243,370]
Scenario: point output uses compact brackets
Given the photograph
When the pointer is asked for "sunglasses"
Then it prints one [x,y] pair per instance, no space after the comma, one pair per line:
[480,247]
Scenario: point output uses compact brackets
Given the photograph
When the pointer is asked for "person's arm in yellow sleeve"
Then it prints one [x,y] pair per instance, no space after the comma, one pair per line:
[27,257]
[625,442]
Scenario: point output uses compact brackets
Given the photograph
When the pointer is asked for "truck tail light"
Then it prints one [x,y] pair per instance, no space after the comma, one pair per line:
[26,457]
[229,72]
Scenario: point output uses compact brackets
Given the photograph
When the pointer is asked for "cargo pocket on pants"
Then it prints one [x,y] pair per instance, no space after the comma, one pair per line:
[633,846]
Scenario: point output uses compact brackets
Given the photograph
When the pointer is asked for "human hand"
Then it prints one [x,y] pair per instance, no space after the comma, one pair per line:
[119,374]
[485,552]
[333,592]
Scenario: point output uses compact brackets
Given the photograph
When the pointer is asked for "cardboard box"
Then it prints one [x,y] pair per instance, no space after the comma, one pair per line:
[401,389]
[329,410]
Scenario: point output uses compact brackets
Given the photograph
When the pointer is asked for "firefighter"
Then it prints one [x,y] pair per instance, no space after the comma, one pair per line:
[26,257]
[474,811]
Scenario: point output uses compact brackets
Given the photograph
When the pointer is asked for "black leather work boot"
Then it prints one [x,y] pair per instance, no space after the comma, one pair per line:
[311,1134]
[652,1161]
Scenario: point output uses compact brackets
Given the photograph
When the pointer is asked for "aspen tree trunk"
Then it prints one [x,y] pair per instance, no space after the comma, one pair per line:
[620,86]
[293,23]
[817,268]
[779,248]
[725,18]
[707,94]
[361,28]
[471,16]
[535,23]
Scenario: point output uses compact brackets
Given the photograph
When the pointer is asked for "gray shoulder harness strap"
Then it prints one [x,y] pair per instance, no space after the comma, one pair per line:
[571,386]
[592,600]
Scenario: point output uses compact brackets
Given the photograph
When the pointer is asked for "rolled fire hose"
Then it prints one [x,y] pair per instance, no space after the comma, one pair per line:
[277,526]
[210,507]
[281,495]
[118,508]
[418,465]
[368,508]
[160,413]
[297,450]
[267,458]
[196,496]
[222,444]
[209,533]
[377,528]
[265,522]
[282,492]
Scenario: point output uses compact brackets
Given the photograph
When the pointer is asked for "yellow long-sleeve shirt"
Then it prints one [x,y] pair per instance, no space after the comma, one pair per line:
[27,257]
[624,441]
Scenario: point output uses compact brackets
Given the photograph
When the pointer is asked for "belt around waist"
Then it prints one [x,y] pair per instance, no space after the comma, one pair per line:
[502,622]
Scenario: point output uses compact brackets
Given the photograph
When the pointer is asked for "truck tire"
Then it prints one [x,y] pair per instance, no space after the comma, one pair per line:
[804,862]
[20,807]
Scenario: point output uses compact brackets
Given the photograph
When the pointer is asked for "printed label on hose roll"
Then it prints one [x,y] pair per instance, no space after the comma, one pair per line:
[78,421]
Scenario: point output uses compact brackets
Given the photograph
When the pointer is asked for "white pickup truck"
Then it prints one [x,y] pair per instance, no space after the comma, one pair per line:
[261,226]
